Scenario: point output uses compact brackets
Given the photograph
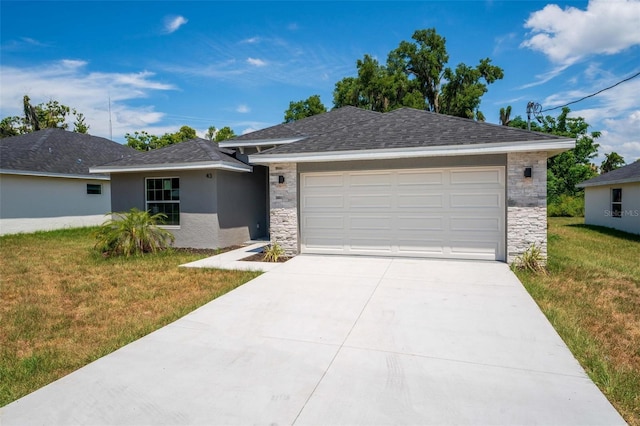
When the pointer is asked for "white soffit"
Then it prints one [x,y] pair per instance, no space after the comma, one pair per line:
[553,147]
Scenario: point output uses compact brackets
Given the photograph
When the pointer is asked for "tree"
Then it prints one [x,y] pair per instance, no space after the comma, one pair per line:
[566,170]
[143,141]
[612,161]
[304,108]
[505,114]
[416,76]
[51,114]
[224,134]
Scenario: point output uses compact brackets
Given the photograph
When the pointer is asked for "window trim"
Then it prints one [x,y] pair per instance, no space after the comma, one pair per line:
[146,200]
[95,186]
[617,213]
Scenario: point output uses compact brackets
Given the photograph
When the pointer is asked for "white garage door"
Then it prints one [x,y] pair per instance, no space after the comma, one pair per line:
[447,213]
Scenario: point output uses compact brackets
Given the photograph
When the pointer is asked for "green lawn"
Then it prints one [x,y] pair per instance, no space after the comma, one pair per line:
[63,305]
[592,298]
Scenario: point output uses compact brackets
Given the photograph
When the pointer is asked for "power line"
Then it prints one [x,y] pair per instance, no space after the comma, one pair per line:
[593,94]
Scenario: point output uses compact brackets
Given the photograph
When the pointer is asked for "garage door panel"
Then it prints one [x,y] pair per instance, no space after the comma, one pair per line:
[370,223]
[371,201]
[476,177]
[323,180]
[420,201]
[441,213]
[322,202]
[370,179]
[324,223]
[427,224]
[474,224]
[475,201]
[419,178]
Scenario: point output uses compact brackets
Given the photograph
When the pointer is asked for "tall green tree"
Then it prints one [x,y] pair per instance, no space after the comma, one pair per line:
[304,108]
[612,161]
[566,170]
[416,75]
[225,133]
[51,114]
[143,141]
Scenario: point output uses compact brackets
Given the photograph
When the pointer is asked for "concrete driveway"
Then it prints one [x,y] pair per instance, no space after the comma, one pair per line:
[340,340]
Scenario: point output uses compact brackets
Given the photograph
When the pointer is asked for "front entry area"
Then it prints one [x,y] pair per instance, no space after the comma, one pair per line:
[454,213]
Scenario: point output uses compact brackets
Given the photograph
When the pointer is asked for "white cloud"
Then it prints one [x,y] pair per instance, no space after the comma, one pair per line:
[68,82]
[256,62]
[243,109]
[248,130]
[569,35]
[543,78]
[251,40]
[172,23]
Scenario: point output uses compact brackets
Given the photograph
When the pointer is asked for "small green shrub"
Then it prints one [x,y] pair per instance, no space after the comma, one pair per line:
[566,206]
[132,233]
[532,261]
[273,253]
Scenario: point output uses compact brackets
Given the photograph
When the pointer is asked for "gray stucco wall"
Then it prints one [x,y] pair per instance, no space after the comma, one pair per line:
[598,208]
[38,203]
[242,206]
[213,210]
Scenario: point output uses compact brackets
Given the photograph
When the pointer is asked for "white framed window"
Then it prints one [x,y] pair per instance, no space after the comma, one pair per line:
[162,195]
[616,202]
[94,189]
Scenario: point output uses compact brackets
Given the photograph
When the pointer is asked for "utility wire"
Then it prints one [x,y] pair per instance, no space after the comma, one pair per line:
[593,94]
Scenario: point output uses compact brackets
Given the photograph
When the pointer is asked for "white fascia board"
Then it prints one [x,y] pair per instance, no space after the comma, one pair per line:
[172,167]
[609,182]
[554,146]
[257,142]
[54,175]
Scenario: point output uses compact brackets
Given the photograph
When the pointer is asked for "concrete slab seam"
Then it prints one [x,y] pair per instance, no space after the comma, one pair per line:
[342,344]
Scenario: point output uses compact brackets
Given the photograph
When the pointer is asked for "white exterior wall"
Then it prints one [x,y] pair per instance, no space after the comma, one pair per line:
[38,203]
[597,207]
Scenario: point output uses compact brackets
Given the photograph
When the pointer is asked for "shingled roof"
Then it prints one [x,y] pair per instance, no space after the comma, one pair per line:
[408,128]
[315,125]
[627,174]
[192,154]
[57,152]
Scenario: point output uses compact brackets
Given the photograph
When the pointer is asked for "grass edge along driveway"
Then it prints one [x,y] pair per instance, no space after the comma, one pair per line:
[592,299]
[64,306]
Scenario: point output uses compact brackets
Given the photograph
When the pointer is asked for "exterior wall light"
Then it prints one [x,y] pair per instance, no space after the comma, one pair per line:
[527,172]
[280,179]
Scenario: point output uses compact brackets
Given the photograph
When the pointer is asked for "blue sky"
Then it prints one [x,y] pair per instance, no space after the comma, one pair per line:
[239,64]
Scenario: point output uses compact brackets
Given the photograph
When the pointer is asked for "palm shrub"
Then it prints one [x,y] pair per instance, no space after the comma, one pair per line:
[133,233]
[273,253]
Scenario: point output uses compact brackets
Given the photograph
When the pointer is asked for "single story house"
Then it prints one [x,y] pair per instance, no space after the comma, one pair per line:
[404,183]
[613,199]
[45,182]
[211,198]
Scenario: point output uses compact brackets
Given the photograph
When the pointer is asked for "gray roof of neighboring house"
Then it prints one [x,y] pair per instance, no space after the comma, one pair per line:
[401,128]
[314,125]
[193,151]
[627,174]
[57,151]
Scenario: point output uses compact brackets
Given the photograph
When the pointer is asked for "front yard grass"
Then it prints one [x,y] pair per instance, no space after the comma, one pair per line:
[592,298]
[63,305]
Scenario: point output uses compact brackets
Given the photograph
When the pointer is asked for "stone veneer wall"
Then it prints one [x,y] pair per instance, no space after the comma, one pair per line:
[284,206]
[526,203]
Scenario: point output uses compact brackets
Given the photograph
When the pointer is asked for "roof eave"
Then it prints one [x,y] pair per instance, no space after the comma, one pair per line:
[247,143]
[52,174]
[552,147]
[635,179]
[173,167]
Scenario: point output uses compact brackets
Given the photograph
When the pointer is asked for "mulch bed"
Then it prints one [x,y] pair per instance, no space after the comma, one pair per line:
[259,257]
[206,252]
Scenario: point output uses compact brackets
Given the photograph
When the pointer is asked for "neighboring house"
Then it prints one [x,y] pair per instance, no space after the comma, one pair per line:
[211,199]
[45,182]
[613,199]
[404,183]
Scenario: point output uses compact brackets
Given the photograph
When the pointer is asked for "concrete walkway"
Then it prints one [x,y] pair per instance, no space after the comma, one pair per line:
[233,259]
[324,340]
